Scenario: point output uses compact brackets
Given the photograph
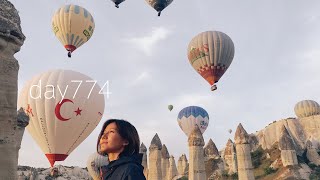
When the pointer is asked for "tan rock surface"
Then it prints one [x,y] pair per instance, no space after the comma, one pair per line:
[165,161]
[211,150]
[155,171]
[245,169]
[143,150]
[11,39]
[196,155]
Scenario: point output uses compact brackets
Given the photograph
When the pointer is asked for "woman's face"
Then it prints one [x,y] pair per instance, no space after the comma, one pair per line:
[111,141]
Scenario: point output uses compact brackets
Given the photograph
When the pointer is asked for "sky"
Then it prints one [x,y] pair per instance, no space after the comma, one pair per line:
[144,58]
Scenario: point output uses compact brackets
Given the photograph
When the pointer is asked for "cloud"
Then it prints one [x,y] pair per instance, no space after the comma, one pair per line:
[311,19]
[142,77]
[147,43]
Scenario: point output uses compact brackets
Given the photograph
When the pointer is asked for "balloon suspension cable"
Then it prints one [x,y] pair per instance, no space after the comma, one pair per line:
[214,87]
[117,6]
[159,13]
[69,54]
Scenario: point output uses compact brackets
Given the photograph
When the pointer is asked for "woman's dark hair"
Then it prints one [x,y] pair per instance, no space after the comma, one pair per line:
[128,132]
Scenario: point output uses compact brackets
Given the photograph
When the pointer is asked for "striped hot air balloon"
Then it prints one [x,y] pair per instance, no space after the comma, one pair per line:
[193,115]
[64,108]
[159,5]
[306,108]
[210,53]
[73,25]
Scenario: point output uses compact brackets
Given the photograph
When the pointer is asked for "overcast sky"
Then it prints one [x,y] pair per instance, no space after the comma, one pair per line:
[144,57]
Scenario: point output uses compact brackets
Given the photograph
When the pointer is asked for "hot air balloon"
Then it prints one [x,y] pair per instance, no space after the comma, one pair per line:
[193,115]
[73,25]
[117,2]
[210,53]
[94,162]
[306,108]
[64,107]
[159,5]
[170,107]
[230,131]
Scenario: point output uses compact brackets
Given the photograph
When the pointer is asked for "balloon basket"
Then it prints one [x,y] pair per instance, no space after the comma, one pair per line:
[214,87]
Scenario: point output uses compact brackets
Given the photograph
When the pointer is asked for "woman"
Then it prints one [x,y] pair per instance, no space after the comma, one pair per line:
[120,141]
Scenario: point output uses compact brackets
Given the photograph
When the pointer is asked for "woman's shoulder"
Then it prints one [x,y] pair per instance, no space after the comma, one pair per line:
[132,166]
[134,172]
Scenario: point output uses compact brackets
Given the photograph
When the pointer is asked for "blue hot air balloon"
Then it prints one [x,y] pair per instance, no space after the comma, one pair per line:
[193,115]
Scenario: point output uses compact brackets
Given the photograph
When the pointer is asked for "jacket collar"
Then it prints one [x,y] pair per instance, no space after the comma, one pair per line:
[135,158]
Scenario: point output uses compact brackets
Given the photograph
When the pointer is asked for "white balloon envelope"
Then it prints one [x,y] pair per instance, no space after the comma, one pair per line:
[64,107]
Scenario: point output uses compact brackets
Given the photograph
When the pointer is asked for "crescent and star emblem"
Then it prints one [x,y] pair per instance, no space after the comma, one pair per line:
[58,108]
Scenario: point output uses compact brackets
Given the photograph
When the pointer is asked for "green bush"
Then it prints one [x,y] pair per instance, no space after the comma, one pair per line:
[314,177]
[317,170]
[312,166]
[183,178]
[256,157]
[303,158]
[234,176]
[269,170]
[225,173]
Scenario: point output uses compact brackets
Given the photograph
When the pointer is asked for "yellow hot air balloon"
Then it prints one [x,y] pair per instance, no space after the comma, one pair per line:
[307,108]
[73,25]
[210,53]
[64,107]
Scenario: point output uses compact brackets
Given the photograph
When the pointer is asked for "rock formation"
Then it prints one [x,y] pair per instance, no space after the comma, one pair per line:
[143,150]
[172,171]
[11,39]
[63,173]
[164,161]
[286,145]
[196,155]
[312,154]
[155,172]
[211,150]
[245,169]
[299,129]
[230,157]
[182,165]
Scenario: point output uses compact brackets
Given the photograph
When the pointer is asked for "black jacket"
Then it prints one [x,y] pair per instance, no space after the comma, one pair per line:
[124,168]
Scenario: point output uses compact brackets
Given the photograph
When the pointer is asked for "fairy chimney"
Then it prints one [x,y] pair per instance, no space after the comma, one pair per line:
[11,40]
[245,169]
[230,157]
[182,165]
[211,150]
[164,161]
[143,151]
[172,171]
[155,172]
[196,155]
